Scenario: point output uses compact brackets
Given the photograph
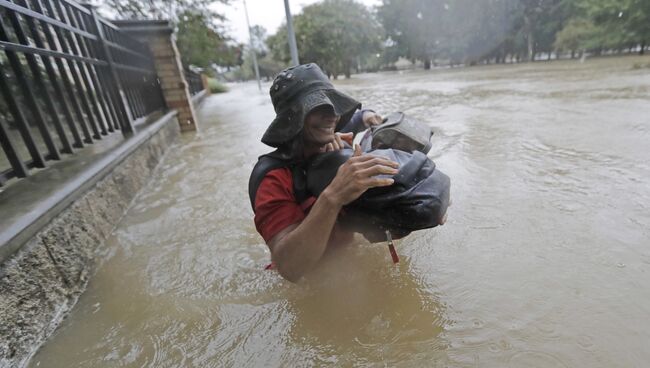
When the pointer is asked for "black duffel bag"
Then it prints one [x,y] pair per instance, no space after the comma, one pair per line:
[417,200]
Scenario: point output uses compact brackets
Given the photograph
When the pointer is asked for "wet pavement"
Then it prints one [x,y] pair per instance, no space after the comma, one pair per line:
[544,261]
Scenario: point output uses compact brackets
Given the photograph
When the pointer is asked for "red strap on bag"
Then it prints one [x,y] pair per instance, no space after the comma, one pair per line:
[391,247]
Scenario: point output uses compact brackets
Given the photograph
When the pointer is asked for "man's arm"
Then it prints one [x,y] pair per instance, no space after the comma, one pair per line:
[297,248]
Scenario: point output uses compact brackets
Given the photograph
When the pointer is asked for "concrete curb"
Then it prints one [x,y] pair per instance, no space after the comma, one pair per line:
[198,98]
[27,225]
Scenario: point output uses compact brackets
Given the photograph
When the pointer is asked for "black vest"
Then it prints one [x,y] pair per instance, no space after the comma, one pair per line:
[275,160]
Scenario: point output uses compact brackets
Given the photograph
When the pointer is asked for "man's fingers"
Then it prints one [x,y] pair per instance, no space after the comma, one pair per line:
[367,161]
[372,119]
[329,147]
[377,170]
[347,137]
[377,182]
[357,150]
[338,143]
[443,219]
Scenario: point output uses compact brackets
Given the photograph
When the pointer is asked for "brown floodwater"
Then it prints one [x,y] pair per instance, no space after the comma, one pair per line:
[544,261]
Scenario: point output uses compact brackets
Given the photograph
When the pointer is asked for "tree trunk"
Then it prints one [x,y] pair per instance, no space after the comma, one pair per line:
[427,64]
[573,54]
[642,51]
[529,38]
[548,57]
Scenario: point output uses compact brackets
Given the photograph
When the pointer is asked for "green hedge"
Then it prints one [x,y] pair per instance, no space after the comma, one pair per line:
[216,87]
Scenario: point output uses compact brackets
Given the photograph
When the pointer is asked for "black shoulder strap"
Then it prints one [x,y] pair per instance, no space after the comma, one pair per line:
[272,161]
[299,182]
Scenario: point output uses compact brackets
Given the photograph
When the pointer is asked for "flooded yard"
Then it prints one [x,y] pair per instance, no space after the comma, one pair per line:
[544,260]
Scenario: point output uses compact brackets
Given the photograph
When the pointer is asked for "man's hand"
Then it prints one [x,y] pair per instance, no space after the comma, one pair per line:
[337,143]
[357,175]
[371,118]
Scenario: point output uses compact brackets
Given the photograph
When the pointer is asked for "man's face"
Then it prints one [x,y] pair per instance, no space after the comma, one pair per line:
[319,125]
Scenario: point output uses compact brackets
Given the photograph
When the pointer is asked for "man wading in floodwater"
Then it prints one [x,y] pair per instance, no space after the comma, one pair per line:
[311,115]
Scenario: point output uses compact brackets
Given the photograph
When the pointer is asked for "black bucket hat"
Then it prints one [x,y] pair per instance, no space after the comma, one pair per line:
[295,92]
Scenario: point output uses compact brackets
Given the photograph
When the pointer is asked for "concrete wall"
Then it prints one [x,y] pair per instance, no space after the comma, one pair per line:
[198,98]
[41,282]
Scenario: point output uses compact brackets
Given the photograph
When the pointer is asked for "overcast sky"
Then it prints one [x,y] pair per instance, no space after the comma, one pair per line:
[267,13]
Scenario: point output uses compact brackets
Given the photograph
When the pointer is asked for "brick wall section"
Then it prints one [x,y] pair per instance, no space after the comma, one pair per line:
[170,72]
[206,85]
[159,36]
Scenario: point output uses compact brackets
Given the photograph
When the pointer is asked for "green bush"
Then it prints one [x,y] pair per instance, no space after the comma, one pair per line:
[216,87]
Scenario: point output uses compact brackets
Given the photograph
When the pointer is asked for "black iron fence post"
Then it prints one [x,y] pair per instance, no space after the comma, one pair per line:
[68,77]
[124,110]
[15,161]
[21,124]
[52,75]
[28,90]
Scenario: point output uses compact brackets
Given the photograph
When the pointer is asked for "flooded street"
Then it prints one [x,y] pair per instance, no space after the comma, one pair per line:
[544,260]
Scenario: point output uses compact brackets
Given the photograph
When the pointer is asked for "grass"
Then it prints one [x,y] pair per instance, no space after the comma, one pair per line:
[215,87]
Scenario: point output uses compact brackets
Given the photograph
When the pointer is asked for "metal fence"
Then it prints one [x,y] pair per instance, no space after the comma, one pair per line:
[67,79]
[194,81]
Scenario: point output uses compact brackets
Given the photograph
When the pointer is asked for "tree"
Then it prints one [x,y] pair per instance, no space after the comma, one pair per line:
[200,34]
[623,21]
[267,66]
[577,34]
[258,35]
[415,26]
[462,31]
[198,43]
[336,34]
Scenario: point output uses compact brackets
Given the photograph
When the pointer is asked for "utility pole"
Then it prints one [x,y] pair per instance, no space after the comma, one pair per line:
[290,35]
[250,38]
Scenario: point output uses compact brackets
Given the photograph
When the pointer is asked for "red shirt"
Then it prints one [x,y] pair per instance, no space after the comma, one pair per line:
[276,206]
